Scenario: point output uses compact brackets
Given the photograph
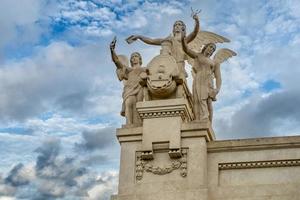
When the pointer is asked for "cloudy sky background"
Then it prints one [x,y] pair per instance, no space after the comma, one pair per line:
[60,98]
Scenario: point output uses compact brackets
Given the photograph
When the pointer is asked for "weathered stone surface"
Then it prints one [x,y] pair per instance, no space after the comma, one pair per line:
[260,168]
[249,169]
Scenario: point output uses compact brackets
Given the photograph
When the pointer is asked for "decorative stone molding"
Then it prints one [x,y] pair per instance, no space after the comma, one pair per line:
[259,164]
[254,144]
[162,114]
[166,108]
[148,166]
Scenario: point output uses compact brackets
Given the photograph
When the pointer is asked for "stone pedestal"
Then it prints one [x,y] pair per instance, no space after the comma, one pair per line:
[162,175]
[162,121]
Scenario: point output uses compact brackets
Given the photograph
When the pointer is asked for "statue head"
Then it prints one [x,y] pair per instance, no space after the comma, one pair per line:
[209,49]
[135,58]
[178,27]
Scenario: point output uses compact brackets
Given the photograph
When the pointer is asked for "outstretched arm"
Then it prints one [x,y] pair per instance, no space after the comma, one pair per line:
[144,39]
[114,56]
[187,50]
[193,34]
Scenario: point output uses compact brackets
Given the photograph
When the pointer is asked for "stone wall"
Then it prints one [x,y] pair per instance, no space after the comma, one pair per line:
[248,169]
[260,169]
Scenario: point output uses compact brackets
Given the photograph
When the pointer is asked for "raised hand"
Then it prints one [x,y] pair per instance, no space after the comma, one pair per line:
[132,38]
[113,43]
[195,13]
[213,94]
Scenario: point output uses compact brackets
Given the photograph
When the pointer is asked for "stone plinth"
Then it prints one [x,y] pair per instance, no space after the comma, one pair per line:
[164,176]
[162,121]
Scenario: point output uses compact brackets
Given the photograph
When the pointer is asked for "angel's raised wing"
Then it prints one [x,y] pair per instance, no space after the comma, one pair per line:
[205,37]
[121,72]
[223,54]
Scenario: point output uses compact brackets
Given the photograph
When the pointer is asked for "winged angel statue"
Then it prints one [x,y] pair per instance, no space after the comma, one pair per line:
[206,71]
[131,77]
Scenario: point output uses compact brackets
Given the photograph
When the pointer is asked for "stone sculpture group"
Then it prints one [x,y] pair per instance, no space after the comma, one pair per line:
[165,76]
[168,148]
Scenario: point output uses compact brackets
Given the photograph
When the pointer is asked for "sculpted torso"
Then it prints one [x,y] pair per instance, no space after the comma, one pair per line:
[133,75]
[176,50]
[203,78]
[179,28]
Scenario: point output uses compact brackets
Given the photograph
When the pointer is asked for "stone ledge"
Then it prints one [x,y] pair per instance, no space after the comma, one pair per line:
[129,134]
[254,144]
[259,164]
[198,129]
[165,108]
[188,130]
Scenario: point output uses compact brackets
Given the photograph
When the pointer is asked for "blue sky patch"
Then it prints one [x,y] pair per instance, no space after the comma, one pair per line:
[270,85]
[16,130]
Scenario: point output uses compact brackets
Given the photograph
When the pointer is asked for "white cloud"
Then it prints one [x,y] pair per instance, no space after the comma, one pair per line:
[19,22]
[59,76]
[16,148]
[103,191]
[60,125]
[6,191]
[7,198]
[294,7]
[102,19]
[296,40]
[54,175]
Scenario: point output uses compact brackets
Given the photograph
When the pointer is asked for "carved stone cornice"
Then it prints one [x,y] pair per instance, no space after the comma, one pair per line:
[165,108]
[166,113]
[188,130]
[253,144]
[259,164]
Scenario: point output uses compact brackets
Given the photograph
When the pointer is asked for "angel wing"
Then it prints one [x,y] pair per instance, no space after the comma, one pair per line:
[203,38]
[223,54]
[121,73]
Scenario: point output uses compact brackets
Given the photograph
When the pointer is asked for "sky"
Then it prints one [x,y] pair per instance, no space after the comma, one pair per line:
[60,98]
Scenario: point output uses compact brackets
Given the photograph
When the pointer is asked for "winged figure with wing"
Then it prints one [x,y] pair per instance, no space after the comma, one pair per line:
[133,91]
[206,71]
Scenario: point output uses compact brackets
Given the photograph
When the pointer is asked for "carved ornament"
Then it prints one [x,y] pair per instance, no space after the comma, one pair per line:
[148,166]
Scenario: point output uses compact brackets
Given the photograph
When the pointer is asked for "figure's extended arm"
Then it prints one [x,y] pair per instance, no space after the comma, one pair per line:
[193,34]
[147,40]
[218,77]
[114,56]
[187,50]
